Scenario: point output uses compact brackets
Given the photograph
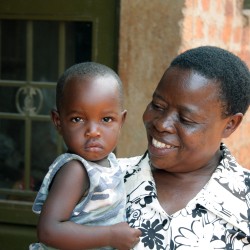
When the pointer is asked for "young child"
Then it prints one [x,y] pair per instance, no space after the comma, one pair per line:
[81,201]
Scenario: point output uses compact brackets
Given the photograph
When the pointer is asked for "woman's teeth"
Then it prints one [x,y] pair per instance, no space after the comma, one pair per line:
[158,144]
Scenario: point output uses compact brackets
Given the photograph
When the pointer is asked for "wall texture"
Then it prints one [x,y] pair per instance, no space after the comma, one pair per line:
[221,23]
[152,33]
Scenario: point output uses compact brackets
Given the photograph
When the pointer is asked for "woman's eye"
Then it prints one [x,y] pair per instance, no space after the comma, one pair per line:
[107,119]
[76,119]
[185,120]
[156,106]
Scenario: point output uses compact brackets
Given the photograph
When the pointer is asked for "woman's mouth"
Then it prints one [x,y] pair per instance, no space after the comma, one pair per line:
[161,145]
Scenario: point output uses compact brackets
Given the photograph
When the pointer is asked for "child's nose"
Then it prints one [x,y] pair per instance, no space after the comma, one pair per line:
[93,130]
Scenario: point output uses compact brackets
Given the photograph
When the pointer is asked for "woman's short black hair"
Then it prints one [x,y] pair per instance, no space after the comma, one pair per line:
[226,69]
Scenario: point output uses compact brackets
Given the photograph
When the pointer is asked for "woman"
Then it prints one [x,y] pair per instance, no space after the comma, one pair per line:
[187,191]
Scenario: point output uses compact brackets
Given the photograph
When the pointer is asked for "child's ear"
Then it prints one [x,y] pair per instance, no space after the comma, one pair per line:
[56,119]
[233,123]
[124,114]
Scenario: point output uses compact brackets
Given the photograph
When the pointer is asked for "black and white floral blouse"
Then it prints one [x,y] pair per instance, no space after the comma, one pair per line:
[217,218]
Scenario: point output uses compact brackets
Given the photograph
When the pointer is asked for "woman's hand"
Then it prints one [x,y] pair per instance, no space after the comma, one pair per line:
[124,237]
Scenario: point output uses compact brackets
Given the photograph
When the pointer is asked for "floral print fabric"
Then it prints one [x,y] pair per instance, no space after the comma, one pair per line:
[217,218]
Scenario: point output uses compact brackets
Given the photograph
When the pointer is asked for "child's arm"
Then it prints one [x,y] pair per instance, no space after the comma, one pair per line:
[54,227]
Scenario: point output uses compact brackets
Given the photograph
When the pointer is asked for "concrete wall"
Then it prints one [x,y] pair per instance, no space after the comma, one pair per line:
[149,39]
[152,33]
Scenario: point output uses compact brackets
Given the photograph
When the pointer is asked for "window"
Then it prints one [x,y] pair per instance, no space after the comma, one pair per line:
[37,43]
[33,53]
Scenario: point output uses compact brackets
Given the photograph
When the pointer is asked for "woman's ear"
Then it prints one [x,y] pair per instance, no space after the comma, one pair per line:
[56,119]
[233,123]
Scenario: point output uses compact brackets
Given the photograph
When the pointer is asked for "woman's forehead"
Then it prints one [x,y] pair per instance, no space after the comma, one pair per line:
[187,86]
[186,78]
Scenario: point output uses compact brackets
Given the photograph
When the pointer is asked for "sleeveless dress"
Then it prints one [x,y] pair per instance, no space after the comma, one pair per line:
[106,198]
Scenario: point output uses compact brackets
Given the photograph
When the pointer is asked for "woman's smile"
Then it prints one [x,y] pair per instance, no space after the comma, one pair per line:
[159,144]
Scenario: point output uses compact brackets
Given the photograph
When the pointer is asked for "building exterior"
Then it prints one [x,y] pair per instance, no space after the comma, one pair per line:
[152,34]
[137,38]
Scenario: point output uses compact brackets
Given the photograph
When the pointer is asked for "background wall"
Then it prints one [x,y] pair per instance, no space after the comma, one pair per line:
[152,33]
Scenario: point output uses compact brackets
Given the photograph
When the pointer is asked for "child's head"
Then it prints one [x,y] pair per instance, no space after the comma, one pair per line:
[89,113]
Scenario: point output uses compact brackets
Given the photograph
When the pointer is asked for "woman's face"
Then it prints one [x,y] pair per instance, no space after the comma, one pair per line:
[183,122]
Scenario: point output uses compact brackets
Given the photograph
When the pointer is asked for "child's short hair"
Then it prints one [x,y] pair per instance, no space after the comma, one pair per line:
[85,70]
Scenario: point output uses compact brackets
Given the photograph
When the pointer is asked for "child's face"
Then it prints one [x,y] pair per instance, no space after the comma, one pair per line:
[91,116]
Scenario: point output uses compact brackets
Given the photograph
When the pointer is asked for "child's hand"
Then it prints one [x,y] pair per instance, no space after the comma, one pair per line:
[124,237]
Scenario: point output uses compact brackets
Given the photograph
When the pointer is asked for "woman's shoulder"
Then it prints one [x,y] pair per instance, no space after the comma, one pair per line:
[130,162]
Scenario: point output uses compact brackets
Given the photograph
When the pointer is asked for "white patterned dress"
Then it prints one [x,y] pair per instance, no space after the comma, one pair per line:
[218,217]
[105,202]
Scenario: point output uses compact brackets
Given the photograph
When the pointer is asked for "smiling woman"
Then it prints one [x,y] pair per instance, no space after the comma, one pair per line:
[187,190]
[187,124]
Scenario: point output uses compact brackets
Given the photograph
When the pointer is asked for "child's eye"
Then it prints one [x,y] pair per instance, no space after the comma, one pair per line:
[77,119]
[107,119]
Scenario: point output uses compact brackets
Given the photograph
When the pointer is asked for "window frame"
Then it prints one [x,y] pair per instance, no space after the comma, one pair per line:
[104,16]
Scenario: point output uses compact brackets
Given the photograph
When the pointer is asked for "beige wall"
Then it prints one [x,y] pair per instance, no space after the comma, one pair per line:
[154,32]
[149,39]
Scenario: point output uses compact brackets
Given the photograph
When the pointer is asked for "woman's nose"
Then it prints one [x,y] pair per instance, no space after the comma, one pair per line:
[165,123]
